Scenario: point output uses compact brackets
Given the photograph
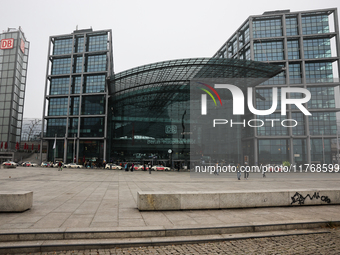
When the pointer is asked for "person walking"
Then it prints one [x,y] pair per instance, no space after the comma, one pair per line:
[60,166]
[126,167]
[132,166]
[216,169]
[149,168]
[238,174]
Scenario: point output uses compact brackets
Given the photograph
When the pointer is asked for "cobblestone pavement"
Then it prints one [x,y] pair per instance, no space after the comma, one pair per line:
[297,244]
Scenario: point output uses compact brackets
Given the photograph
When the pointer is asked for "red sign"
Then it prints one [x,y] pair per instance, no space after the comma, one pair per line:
[22,46]
[7,44]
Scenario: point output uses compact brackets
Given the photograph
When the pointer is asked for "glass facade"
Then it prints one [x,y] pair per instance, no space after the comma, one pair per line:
[143,113]
[76,101]
[154,113]
[267,28]
[268,51]
[300,42]
[273,151]
[13,72]
[315,24]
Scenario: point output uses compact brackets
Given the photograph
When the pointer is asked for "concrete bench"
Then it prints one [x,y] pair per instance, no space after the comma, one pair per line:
[15,201]
[162,200]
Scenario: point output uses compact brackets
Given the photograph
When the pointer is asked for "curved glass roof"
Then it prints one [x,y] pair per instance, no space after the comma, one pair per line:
[183,70]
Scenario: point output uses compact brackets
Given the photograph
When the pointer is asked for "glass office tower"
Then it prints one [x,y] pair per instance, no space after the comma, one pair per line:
[14,50]
[76,95]
[306,45]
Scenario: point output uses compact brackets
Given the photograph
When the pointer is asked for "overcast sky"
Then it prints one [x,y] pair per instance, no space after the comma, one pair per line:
[144,31]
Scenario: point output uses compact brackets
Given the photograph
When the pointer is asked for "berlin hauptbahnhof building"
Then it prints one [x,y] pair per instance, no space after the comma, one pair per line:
[143,114]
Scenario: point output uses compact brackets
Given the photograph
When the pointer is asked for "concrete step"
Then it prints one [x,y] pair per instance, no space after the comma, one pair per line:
[82,244]
[14,235]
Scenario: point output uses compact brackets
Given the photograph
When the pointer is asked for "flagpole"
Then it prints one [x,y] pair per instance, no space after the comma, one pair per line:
[55,147]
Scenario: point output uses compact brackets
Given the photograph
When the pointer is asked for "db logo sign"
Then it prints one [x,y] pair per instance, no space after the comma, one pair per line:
[7,44]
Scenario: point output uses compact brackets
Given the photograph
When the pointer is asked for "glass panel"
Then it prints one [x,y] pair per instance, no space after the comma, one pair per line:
[319,72]
[72,127]
[272,129]
[92,127]
[322,123]
[273,151]
[94,84]
[62,46]
[267,51]
[315,24]
[61,66]
[96,63]
[321,97]
[295,74]
[76,85]
[74,106]
[267,28]
[58,106]
[293,49]
[92,105]
[97,43]
[59,86]
[291,26]
[317,48]
[56,127]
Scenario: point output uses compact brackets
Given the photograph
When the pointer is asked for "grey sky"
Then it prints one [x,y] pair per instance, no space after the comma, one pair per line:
[143,31]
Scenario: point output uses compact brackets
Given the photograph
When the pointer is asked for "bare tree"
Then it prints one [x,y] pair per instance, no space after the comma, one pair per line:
[30,131]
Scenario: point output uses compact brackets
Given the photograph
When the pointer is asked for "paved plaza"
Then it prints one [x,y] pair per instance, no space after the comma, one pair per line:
[106,200]
[82,198]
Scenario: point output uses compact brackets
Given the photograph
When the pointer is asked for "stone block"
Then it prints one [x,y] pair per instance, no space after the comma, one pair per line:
[314,197]
[199,200]
[158,201]
[234,199]
[15,201]
[245,199]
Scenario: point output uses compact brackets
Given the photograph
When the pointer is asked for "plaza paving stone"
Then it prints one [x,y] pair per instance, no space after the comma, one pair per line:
[97,198]
[100,199]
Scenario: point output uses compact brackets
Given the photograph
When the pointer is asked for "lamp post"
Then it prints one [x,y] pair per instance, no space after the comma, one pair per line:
[74,148]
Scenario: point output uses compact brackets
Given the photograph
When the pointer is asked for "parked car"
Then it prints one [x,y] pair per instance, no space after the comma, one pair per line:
[115,167]
[45,164]
[9,164]
[160,168]
[73,165]
[141,167]
[56,164]
[27,163]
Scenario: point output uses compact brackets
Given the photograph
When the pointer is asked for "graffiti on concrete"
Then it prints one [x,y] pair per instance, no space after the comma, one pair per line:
[298,198]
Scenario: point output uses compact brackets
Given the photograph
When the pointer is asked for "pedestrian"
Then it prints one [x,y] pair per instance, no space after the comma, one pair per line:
[149,167]
[126,167]
[132,166]
[246,172]
[216,169]
[59,166]
[238,174]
